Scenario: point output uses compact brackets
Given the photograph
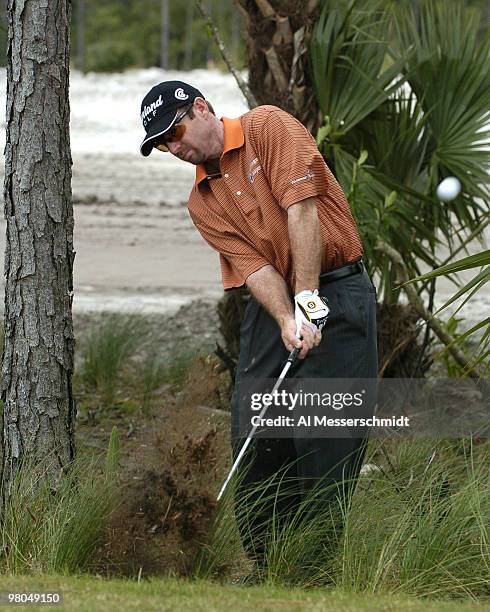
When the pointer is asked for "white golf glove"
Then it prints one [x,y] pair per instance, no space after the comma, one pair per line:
[311,310]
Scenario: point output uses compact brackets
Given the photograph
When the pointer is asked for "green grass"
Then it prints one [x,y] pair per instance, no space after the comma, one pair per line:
[156,370]
[107,350]
[47,529]
[89,594]
[420,525]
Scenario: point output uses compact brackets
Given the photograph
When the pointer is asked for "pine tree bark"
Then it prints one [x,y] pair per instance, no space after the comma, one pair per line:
[39,409]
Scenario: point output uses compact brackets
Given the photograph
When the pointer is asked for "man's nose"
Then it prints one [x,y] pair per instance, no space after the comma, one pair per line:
[173,147]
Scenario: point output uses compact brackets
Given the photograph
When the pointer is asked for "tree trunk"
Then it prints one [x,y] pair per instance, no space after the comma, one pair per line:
[164,35]
[189,18]
[209,42]
[81,35]
[278,32]
[39,408]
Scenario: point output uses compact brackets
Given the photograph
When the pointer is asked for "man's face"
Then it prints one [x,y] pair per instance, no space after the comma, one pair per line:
[194,145]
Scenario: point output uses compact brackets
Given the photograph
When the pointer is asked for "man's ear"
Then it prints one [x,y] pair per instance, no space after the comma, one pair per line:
[201,106]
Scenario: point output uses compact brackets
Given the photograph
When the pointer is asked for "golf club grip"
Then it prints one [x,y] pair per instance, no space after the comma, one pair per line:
[293,354]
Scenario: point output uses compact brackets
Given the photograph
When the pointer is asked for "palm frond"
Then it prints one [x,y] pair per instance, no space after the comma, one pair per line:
[466,263]
[476,284]
[347,53]
[380,214]
[449,73]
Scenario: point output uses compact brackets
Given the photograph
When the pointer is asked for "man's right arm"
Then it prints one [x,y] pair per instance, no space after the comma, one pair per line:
[270,289]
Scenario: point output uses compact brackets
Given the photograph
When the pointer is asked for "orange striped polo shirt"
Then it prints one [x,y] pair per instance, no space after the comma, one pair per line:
[269,162]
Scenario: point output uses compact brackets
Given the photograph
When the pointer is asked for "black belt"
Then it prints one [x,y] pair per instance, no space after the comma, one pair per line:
[348,270]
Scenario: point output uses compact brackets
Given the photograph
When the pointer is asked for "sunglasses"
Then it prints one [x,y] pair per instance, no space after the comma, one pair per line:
[174,134]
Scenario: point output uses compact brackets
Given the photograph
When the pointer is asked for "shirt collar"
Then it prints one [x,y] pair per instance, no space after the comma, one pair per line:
[234,139]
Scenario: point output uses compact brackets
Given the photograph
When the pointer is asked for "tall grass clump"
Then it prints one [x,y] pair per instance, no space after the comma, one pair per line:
[292,555]
[421,525]
[57,531]
[156,370]
[176,368]
[221,554]
[152,374]
[106,351]
[417,523]
[300,549]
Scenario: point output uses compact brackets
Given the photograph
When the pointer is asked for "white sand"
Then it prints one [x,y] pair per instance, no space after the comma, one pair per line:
[134,255]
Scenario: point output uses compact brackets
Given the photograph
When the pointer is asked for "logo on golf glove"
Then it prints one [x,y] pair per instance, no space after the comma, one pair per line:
[311,310]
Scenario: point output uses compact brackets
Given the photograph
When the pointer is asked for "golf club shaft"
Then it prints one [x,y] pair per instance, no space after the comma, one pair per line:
[289,363]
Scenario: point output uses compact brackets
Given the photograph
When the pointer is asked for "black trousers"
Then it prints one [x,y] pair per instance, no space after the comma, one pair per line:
[348,350]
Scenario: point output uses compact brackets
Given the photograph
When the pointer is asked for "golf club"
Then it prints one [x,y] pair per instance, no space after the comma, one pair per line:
[291,359]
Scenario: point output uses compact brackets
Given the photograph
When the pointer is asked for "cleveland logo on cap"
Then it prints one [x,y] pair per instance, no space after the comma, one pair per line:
[152,108]
[180,95]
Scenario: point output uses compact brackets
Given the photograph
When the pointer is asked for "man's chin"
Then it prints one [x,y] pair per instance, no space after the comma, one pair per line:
[193,158]
[198,158]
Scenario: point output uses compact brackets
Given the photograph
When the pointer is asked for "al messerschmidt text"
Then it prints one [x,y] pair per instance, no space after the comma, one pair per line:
[324,421]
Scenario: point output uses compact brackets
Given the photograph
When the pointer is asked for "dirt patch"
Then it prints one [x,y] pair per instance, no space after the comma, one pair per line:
[191,329]
[172,466]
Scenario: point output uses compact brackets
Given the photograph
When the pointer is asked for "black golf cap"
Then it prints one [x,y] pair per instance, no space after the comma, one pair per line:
[160,107]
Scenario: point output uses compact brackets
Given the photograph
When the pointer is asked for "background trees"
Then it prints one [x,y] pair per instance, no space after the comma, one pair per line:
[116,35]
[119,34]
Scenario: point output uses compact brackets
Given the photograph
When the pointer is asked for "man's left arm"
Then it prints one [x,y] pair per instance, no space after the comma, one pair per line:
[306,244]
[306,247]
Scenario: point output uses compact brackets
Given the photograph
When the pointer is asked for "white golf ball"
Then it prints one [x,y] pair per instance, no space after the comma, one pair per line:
[448,189]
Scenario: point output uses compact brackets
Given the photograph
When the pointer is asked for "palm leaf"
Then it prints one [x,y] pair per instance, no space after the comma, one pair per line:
[449,73]
[467,263]
[347,53]
[470,289]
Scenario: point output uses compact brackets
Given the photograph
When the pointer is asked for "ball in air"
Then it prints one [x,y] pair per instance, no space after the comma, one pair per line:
[448,189]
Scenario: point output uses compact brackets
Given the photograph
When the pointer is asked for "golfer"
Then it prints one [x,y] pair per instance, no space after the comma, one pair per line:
[265,200]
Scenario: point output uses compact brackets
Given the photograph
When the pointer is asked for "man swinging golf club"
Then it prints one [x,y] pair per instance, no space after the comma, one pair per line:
[267,202]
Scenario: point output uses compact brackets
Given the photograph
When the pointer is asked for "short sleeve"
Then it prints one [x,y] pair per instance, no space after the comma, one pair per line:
[294,167]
